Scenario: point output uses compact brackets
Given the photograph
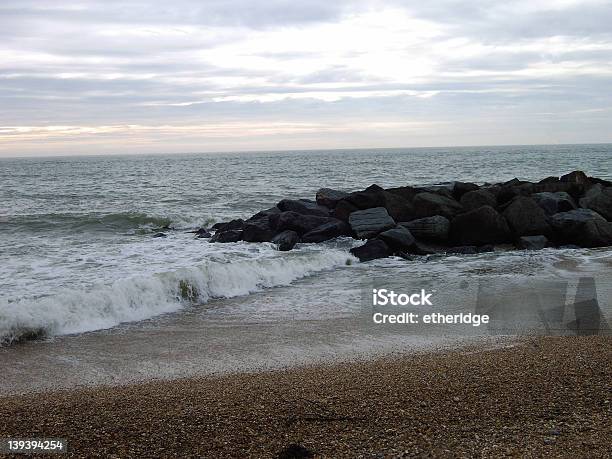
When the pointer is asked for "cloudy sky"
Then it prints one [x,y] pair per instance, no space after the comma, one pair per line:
[136,76]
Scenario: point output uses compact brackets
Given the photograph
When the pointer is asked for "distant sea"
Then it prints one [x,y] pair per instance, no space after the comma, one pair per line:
[78,254]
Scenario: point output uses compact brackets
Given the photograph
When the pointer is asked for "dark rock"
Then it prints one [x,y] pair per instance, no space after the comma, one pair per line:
[460,188]
[599,199]
[202,233]
[513,182]
[434,228]
[550,179]
[479,227]
[371,250]
[265,213]
[582,227]
[405,192]
[486,248]
[160,235]
[424,248]
[533,242]
[295,451]
[257,230]
[570,247]
[578,177]
[329,198]
[475,199]
[227,236]
[430,204]
[368,199]
[398,238]
[464,250]
[369,222]
[297,222]
[286,240]
[398,208]
[343,210]
[553,203]
[526,218]
[303,206]
[327,231]
[226,226]
[573,189]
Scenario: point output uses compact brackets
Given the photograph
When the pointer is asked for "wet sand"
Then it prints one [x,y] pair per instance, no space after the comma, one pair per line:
[543,397]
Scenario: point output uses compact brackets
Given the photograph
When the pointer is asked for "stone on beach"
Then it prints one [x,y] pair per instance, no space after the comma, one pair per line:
[398,238]
[429,204]
[371,250]
[303,206]
[480,226]
[330,198]
[526,218]
[582,227]
[286,240]
[370,222]
[533,242]
[327,231]
[553,203]
[475,199]
[434,228]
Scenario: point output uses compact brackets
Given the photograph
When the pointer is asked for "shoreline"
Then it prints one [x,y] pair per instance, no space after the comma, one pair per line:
[544,396]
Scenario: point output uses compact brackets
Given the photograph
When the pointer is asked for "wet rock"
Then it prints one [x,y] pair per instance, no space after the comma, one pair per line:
[464,250]
[551,179]
[407,193]
[599,199]
[532,242]
[327,231]
[461,188]
[303,206]
[526,218]
[398,208]
[227,236]
[582,227]
[434,228]
[330,198]
[257,230]
[398,238]
[475,199]
[553,203]
[486,248]
[160,235]
[371,250]
[578,177]
[369,198]
[430,204]
[343,209]
[226,226]
[296,222]
[295,451]
[286,240]
[370,222]
[479,227]
[265,213]
[202,233]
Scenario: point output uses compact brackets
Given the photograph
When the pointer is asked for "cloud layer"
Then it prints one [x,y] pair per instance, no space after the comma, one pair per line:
[80,76]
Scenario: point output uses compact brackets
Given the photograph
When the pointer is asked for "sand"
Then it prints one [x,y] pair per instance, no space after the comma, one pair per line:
[543,397]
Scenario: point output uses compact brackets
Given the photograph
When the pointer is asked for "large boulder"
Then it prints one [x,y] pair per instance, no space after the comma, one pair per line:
[460,188]
[343,209]
[434,228]
[475,199]
[578,177]
[371,197]
[429,204]
[407,193]
[526,218]
[227,236]
[297,222]
[371,250]
[479,227]
[257,230]
[327,231]
[370,222]
[286,240]
[227,226]
[599,199]
[399,209]
[582,227]
[398,238]
[533,242]
[553,203]
[303,206]
[329,198]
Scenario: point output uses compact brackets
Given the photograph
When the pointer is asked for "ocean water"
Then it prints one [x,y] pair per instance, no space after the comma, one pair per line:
[78,252]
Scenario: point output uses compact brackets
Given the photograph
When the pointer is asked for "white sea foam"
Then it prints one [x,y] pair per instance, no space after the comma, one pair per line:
[142,297]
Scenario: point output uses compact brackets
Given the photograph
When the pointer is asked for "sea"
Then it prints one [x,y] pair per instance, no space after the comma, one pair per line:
[82,273]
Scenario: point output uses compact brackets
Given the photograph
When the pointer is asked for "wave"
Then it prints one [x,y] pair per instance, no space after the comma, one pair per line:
[144,297]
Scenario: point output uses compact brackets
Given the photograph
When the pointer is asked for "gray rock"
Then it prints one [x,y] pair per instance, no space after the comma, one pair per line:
[227,236]
[202,233]
[599,199]
[553,203]
[479,227]
[327,231]
[265,213]
[526,218]
[475,199]
[370,222]
[398,238]
[578,177]
[297,222]
[371,250]
[464,250]
[329,198]
[303,206]
[582,227]
[343,209]
[460,188]
[434,228]
[533,242]
[430,204]
[226,226]
[257,230]
[286,240]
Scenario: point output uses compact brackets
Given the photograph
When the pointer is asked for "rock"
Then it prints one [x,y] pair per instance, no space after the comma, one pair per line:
[257,230]
[202,233]
[295,451]
[369,222]
[296,222]
[407,193]
[464,250]
[434,228]
[479,227]
[160,235]
[329,198]
[343,209]
[526,218]
[533,242]
[460,188]
[398,238]
[475,199]
[442,190]
[578,177]
[371,250]
[430,204]
[550,179]
[398,208]
[265,213]
[553,203]
[582,227]
[486,248]
[599,199]
[286,240]
[227,236]
[226,226]
[424,248]
[369,198]
[303,206]
[327,231]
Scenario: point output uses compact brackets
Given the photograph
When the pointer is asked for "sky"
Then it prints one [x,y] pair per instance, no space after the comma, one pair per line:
[159,76]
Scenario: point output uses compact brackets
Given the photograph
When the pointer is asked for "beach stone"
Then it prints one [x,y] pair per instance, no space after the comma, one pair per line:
[398,208]
[227,236]
[434,228]
[296,222]
[479,227]
[330,198]
[486,248]
[369,222]
[429,204]
[582,227]
[371,250]
[398,238]
[578,177]
[265,213]
[257,230]
[202,233]
[327,231]
[475,199]
[371,197]
[533,242]
[226,226]
[553,203]
[526,218]
[551,179]
[599,199]
[343,209]
[461,188]
[303,206]
[464,250]
[286,240]
[407,193]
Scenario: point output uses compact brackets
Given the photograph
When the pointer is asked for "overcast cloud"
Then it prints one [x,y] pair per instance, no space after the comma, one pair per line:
[137,76]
